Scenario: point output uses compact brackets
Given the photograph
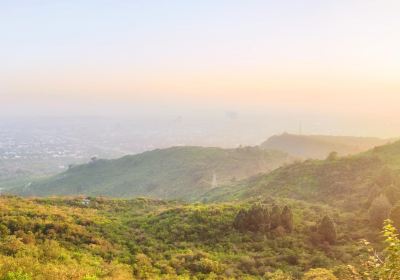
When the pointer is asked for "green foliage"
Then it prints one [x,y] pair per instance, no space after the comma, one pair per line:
[327,229]
[395,215]
[386,177]
[89,277]
[379,266]
[275,217]
[392,192]
[390,269]
[278,275]
[16,276]
[99,238]
[350,183]
[287,219]
[332,156]
[60,238]
[256,219]
[173,173]
[379,211]
[319,274]
[241,220]
[318,146]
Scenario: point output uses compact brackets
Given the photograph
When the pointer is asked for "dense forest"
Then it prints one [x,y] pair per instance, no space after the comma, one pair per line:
[98,238]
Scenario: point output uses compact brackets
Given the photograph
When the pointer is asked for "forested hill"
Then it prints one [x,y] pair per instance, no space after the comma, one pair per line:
[303,221]
[173,173]
[319,146]
[77,239]
[351,182]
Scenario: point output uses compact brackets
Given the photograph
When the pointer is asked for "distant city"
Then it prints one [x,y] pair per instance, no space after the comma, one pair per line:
[43,146]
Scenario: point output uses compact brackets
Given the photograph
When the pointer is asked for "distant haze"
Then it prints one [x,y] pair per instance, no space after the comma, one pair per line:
[274,65]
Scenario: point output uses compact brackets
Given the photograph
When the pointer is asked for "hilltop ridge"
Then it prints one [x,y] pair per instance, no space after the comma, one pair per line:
[319,146]
[173,173]
[350,182]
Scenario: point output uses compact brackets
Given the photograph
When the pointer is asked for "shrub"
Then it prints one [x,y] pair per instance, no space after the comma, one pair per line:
[319,274]
[277,275]
[16,276]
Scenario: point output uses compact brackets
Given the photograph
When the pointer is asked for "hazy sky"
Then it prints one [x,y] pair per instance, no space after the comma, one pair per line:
[335,58]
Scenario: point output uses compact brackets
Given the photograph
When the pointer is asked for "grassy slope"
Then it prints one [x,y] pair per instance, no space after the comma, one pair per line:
[319,146]
[348,182]
[179,172]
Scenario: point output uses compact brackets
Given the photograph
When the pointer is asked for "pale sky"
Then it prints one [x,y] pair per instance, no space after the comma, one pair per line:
[339,58]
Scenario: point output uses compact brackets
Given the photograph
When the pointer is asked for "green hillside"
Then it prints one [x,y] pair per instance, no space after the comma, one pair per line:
[319,146]
[351,182]
[178,173]
[301,221]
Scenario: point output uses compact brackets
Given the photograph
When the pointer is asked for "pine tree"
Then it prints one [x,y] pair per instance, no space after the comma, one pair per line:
[275,217]
[256,219]
[379,211]
[287,219]
[327,229]
[240,220]
[392,193]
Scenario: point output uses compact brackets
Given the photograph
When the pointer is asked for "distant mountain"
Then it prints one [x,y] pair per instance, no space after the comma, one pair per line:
[350,182]
[319,146]
[174,173]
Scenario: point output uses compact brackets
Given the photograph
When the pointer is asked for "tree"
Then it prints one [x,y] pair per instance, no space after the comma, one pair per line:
[374,191]
[392,192]
[386,177]
[386,266]
[256,219]
[395,215]
[390,269]
[332,156]
[143,268]
[275,217]
[379,211]
[240,222]
[4,231]
[287,219]
[327,229]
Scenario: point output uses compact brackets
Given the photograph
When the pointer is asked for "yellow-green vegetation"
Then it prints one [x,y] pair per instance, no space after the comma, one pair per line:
[98,238]
[302,221]
[352,183]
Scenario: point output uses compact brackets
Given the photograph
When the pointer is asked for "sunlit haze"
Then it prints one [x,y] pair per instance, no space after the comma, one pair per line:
[199,139]
[331,66]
